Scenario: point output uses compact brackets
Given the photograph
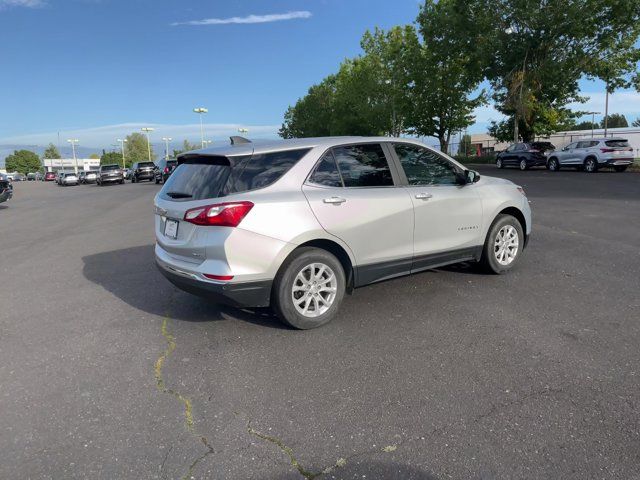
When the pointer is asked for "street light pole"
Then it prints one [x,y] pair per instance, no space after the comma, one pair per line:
[243,130]
[593,120]
[148,130]
[166,144]
[73,142]
[200,111]
[606,111]
[122,142]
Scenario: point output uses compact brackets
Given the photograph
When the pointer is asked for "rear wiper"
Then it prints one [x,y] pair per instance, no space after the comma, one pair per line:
[179,195]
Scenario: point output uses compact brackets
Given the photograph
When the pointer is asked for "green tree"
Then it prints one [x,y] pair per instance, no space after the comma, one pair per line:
[636,122]
[23,161]
[51,152]
[587,125]
[615,120]
[186,147]
[136,149]
[110,158]
[536,52]
[312,114]
[447,71]
[465,146]
[94,156]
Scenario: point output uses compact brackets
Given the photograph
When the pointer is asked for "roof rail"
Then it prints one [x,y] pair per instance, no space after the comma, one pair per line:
[236,140]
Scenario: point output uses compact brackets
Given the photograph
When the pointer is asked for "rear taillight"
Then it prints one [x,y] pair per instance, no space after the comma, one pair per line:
[221,214]
[607,150]
[166,169]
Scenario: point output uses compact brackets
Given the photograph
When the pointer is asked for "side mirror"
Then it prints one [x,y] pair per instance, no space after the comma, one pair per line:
[471,176]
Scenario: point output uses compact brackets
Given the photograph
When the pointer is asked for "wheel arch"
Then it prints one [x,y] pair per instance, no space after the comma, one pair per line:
[517,214]
[338,251]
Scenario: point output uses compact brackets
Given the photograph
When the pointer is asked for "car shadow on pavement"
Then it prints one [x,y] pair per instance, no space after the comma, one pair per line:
[131,275]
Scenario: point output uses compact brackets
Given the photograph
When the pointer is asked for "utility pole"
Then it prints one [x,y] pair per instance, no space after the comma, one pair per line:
[148,130]
[73,143]
[166,147]
[200,111]
[122,142]
[606,111]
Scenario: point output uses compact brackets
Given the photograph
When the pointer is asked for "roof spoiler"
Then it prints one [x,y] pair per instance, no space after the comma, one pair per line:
[237,140]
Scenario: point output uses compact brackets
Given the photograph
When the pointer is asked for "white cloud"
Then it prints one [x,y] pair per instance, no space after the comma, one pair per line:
[21,3]
[626,102]
[104,137]
[274,17]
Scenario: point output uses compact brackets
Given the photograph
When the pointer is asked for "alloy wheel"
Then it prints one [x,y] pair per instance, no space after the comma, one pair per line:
[314,290]
[505,246]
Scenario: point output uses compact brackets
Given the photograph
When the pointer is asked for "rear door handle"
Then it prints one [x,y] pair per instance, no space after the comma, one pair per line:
[423,196]
[335,200]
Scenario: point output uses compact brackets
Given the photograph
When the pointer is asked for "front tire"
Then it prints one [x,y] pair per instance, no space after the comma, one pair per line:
[553,165]
[523,164]
[503,245]
[309,288]
[499,163]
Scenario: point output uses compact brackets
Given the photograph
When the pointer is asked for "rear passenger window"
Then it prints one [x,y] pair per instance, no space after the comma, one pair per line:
[326,173]
[265,168]
[363,166]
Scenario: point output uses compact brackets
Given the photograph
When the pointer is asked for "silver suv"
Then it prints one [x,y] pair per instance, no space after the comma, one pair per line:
[592,154]
[297,223]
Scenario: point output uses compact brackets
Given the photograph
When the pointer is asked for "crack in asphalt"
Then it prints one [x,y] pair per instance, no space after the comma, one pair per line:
[188,407]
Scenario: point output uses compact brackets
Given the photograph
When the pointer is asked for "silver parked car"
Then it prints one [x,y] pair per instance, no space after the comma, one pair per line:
[67,179]
[592,154]
[296,224]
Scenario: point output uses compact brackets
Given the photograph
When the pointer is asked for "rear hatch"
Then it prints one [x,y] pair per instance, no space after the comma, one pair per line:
[617,148]
[204,180]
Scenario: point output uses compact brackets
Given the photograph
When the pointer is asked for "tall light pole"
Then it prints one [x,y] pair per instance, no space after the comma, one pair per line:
[166,147]
[200,111]
[73,142]
[207,143]
[122,142]
[148,130]
[243,130]
[593,120]
[606,111]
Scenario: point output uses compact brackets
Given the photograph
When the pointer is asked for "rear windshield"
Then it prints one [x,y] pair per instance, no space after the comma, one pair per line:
[208,177]
[617,143]
[146,164]
[110,167]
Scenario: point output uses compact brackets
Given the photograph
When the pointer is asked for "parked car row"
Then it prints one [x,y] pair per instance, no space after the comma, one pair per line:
[588,154]
[114,173]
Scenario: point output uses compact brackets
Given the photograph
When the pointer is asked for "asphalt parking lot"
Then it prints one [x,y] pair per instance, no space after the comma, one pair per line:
[107,371]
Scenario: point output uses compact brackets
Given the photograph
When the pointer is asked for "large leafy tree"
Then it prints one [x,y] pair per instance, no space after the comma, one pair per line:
[51,152]
[587,125]
[136,148]
[23,161]
[186,147]
[446,71]
[537,51]
[312,115]
[111,158]
[615,120]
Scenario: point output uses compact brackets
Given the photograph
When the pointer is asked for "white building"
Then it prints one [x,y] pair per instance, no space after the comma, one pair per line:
[69,164]
[484,143]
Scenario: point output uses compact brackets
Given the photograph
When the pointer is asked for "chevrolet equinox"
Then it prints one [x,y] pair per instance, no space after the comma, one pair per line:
[296,224]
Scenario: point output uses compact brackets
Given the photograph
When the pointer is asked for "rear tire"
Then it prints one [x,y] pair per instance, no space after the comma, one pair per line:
[308,288]
[590,165]
[620,168]
[523,164]
[503,245]
[499,163]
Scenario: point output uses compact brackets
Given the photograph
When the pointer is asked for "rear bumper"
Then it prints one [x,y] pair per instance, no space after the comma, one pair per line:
[145,175]
[111,179]
[615,162]
[245,294]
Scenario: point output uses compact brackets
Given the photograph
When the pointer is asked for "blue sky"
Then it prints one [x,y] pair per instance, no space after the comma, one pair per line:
[98,69]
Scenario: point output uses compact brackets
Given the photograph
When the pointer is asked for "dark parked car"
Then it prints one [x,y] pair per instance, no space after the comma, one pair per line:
[50,177]
[109,174]
[165,169]
[525,155]
[143,171]
[6,189]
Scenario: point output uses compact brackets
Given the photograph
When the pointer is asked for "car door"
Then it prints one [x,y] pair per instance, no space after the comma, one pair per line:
[568,156]
[448,214]
[354,193]
[507,156]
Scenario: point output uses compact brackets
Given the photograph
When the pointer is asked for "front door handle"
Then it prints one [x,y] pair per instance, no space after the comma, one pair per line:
[423,196]
[335,200]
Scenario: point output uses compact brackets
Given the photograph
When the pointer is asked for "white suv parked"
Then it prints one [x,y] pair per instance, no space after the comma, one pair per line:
[296,224]
[592,154]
